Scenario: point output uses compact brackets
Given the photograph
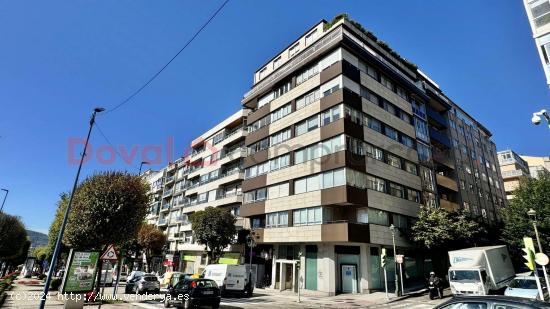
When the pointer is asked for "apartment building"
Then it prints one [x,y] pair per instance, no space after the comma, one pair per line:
[538,13]
[513,168]
[537,165]
[345,139]
[209,175]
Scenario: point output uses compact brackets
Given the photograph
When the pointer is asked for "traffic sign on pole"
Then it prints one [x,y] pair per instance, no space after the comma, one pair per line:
[109,254]
[399,258]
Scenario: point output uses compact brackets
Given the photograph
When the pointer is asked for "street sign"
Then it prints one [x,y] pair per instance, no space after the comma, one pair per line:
[399,258]
[109,254]
[541,259]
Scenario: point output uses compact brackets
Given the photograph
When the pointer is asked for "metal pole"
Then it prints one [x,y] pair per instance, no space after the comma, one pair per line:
[386,282]
[121,262]
[540,250]
[66,215]
[5,196]
[102,289]
[401,274]
[395,264]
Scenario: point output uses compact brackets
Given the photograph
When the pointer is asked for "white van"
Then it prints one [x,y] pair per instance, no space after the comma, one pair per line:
[231,278]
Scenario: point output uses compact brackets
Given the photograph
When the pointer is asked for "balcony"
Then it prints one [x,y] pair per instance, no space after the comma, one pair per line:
[514,174]
[169,179]
[162,222]
[444,157]
[448,205]
[167,193]
[447,182]
[437,118]
[337,231]
[440,137]
[165,207]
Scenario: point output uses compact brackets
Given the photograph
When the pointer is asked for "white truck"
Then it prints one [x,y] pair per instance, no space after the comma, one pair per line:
[480,270]
[231,278]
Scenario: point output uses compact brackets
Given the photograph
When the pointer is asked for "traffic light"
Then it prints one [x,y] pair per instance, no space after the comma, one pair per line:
[383,258]
[529,252]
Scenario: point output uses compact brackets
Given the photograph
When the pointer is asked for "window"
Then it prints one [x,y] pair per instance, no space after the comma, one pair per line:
[413,195]
[411,168]
[424,153]
[379,217]
[421,129]
[261,194]
[307,216]
[277,219]
[320,181]
[263,73]
[293,50]
[331,115]
[391,133]
[386,82]
[280,112]
[401,92]
[279,137]
[393,161]
[407,141]
[374,152]
[389,108]
[316,150]
[258,146]
[396,190]
[265,99]
[311,37]
[307,74]
[308,98]
[281,90]
[277,63]
[375,183]
[374,124]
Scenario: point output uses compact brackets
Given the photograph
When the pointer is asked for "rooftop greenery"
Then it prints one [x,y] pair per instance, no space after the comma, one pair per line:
[413,67]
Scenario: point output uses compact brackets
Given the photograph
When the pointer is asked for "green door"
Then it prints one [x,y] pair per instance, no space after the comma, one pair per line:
[311,267]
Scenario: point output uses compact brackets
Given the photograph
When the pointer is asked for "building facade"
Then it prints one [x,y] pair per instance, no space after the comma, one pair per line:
[210,175]
[537,164]
[538,13]
[513,168]
[345,139]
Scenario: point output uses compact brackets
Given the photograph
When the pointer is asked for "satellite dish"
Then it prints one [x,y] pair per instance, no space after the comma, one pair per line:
[541,259]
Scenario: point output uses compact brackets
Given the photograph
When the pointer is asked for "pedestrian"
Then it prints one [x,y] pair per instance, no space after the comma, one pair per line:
[435,286]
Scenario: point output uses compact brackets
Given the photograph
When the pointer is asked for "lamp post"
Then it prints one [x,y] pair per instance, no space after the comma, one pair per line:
[533,216]
[66,215]
[141,165]
[392,230]
[5,196]
[251,243]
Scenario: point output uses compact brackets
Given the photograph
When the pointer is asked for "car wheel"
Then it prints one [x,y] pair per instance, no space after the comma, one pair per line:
[166,302]
[187,304]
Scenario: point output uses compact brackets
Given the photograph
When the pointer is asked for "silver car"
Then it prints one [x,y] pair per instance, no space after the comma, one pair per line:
[146,284]
[525,287]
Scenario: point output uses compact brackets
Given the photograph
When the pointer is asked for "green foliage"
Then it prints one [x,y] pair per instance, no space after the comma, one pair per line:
[56,224]
[151,239]
[411,66]
[531,193]
[438,228]
[215,229]
[13,236]
[108,208]
[55,284]
[41,253]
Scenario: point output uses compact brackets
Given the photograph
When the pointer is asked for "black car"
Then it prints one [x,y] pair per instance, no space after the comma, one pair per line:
[492,302]
[189,293]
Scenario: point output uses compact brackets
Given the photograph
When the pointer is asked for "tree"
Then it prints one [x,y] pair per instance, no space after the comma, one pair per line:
[12,236]
[151,239]
[215,229]
[532,193]
[438,228]
[41,254]
[56,224]
[439,231]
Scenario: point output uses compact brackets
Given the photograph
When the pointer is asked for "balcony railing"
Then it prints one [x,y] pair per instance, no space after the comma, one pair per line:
[169,179]
[165,207]
[167,192]
[440,137]
[163,221]
[226,174]
[514,173]
[437,117]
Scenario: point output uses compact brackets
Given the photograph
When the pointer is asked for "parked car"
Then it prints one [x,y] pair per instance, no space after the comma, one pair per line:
[134,274]
[144,284]
[231,278]
[189,293]
[526,287]
[491,302]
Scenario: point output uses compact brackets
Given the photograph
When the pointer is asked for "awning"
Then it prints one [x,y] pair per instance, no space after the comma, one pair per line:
[189,258]
[230,258]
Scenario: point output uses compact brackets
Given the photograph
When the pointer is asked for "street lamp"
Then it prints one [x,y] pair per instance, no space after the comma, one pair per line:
[66,215]
[141,165]
[251,243]
[536,117]
[533,216]
[392,230]
[5,196]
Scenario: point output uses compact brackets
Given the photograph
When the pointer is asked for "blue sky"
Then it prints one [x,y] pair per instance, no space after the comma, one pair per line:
[59,59]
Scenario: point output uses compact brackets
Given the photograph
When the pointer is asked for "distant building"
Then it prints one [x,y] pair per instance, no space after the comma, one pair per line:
[538,12]
[513,168]
[537,164]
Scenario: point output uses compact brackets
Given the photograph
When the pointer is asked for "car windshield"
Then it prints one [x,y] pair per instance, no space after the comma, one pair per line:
[150,278]
[530,284]
[206,284]
[464,275]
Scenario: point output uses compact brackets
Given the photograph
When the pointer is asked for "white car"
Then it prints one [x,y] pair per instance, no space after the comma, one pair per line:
[525,287]
[134,274]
